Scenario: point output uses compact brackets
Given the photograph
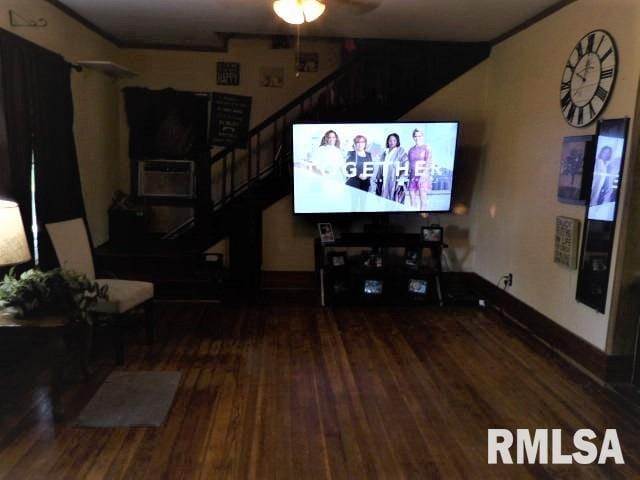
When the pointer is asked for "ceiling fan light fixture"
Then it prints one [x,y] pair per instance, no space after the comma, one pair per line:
[298,11]
[312,9]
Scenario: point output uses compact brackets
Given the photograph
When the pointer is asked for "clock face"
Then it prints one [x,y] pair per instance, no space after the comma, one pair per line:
[588,78]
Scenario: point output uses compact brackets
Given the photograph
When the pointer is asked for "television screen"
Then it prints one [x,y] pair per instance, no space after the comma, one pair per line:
[373,167]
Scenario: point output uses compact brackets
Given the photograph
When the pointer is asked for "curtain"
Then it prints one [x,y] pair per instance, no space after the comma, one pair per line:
[38,110]
[15,126]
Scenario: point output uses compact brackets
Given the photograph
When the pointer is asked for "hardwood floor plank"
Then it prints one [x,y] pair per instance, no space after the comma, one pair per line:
[293,391]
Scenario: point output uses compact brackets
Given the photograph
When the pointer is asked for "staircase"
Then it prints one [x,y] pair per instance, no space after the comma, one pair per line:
[380,83]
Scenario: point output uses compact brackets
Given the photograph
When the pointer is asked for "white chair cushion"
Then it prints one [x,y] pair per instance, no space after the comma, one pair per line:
[123,295]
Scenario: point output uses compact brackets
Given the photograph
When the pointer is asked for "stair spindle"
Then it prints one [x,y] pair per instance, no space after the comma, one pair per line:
[259,149]
[233,168]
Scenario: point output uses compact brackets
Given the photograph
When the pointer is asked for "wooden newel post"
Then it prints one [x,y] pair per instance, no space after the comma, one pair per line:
[203,208]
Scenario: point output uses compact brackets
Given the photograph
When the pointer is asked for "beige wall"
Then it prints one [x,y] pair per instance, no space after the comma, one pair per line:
[514,221]
[94,97]
[196,71]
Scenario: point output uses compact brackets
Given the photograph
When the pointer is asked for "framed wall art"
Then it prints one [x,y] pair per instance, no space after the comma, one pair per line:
[576,167]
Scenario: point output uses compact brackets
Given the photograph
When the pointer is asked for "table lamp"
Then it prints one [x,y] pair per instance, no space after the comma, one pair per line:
[14,248]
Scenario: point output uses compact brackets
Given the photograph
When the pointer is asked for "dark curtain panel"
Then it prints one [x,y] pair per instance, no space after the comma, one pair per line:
[166,123]
[15,125]
[38,110]
[58,189]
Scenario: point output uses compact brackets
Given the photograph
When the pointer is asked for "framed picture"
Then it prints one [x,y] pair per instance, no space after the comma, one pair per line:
[432,233]
[272,77]
[565,251]
[412,257]
[372,260]
[326,233]
[576,165]
[228,73]
[307,62]
[337,259]
[372,287]
[417,286]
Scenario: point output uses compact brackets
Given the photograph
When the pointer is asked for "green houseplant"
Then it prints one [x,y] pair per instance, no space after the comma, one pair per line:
[54,291]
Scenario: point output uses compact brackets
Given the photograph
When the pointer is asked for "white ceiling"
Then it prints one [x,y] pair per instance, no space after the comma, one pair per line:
[194,22]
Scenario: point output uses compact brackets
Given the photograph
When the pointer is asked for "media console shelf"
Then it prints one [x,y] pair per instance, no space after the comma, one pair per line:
[393,270]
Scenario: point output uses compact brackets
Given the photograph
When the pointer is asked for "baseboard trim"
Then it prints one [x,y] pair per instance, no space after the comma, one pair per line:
[608,368]
[288,280]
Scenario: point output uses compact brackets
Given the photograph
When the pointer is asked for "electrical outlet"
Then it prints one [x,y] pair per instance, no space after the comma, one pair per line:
[509,279]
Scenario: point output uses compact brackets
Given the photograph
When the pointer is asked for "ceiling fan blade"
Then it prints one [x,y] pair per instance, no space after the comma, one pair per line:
[359,6]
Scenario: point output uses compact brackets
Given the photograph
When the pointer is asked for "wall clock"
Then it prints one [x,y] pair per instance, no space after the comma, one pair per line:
[588,78]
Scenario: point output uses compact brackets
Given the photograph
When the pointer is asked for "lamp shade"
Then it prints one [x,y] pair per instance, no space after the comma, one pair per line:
[13,241]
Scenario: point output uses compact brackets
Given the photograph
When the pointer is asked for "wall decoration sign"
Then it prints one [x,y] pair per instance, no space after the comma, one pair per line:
[576,166]
[600,222]
[230,116]
[566,242]
[272,77]
[228,73]
[307,62]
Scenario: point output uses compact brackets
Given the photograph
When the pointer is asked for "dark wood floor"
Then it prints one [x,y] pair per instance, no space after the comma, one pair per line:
[302,392]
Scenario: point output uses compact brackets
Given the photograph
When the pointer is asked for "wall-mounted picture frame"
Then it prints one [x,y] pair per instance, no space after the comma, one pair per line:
[576,167]
[337,259]
[272,77]
[567,237]
[326,233]
[228,73]
[308,62]
[432,233]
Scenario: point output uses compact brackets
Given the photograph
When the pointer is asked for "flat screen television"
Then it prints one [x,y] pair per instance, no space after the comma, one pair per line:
[373,167]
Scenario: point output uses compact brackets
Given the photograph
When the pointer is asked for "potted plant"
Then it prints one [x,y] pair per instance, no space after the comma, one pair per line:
[55,291]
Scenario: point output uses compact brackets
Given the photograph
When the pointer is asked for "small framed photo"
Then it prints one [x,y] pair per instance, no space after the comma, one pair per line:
[373,287]
[372,260]
[326,233]
[432,233]
[272,77]
[307,62]
[417,286]
[412,257]
[337,259]
[228,73]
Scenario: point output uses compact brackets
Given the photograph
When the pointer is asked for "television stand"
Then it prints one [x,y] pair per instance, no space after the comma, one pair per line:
[390,272]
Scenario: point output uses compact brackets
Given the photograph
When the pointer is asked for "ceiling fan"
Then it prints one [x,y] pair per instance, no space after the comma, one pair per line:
[358,7]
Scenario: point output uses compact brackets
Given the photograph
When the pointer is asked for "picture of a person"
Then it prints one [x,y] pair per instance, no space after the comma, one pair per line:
[604,171]
[420,165]
[328,159]
[392,186]
[359,156]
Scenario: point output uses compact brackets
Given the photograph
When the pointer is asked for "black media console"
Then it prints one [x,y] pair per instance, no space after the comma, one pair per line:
[392,270]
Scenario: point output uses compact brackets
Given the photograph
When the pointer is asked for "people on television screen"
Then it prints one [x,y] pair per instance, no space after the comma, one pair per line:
[420,163]
[391,182]
[358,157]
[328,159]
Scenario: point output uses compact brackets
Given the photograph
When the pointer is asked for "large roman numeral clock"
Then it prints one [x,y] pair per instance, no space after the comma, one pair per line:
[588,78]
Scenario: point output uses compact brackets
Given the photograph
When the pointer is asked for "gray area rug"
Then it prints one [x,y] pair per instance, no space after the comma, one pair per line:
[129,399]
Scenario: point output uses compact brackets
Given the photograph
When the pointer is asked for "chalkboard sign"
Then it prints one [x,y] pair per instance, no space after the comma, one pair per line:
[228,73]
[230,116]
